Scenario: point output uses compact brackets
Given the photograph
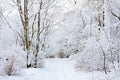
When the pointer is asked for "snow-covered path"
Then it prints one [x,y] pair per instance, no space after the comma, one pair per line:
[56,69]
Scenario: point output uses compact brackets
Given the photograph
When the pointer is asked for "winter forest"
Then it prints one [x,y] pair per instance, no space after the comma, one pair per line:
[59,39]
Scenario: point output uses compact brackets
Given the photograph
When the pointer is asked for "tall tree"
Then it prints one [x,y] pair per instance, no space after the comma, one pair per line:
[34,24]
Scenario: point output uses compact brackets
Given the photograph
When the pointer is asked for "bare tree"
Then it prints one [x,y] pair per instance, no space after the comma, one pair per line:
[34,25]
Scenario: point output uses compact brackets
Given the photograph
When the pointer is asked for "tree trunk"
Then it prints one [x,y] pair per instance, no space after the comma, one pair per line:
[38,36]
[26,30]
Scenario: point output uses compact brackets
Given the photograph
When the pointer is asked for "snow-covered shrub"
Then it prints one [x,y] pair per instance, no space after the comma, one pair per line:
[7,66]
[9,69]
[12,61]
[91,58]
[102,55]
[81,65]
[61,54]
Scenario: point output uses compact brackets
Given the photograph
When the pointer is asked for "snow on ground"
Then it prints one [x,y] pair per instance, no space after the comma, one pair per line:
[56,69]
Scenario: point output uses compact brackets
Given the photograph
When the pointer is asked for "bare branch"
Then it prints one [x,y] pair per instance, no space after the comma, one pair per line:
[20,11]
[12,28]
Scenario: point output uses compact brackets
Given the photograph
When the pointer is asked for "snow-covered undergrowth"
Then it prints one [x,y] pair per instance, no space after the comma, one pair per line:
[102,55]
[60,69]
[12,60]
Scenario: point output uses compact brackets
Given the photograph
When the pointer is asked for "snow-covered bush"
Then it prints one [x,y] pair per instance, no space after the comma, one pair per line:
[89,59]
[61,54]
[9,69]
[102,55]
[12,61]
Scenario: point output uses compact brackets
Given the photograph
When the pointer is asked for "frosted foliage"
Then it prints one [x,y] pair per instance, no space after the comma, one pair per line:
[102,51]
[69,37]
[89,59]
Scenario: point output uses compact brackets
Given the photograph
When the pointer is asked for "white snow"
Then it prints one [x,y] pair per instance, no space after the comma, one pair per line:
[56,69]
[75,30]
